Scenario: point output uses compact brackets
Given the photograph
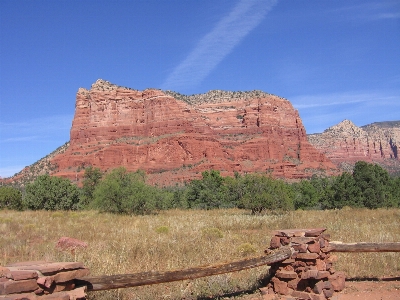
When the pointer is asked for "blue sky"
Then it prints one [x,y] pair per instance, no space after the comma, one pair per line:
[332,59]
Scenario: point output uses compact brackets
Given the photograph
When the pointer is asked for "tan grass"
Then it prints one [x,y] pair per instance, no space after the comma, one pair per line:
[180,239]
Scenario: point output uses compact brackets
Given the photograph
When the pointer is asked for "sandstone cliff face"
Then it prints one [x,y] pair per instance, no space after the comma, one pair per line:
[175,137]
[345,143]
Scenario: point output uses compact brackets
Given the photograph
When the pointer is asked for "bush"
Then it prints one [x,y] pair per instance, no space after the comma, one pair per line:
[51,193]
[162,229]
[91,179]
[208,193]
[374,184]
[306,196]
[265,193]
[212,233]
[179,197]
[124,192]
[246,249]
[10,198]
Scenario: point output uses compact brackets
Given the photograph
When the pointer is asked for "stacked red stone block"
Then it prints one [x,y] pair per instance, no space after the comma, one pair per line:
[42,280]
[309,272]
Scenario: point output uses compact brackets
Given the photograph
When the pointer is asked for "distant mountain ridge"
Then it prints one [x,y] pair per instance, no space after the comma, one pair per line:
[346,143]
[384,124]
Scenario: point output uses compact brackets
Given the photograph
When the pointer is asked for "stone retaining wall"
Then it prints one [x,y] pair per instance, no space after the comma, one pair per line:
[309,272]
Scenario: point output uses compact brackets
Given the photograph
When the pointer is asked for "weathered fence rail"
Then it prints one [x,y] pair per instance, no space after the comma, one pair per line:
[98,283]
[364,247]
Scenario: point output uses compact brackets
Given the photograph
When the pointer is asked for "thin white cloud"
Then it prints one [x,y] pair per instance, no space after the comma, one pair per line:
[218,43]
[33,129]
[24,142]
[19,139]
[372,11]
[389,16]
[315,101]
[319,112]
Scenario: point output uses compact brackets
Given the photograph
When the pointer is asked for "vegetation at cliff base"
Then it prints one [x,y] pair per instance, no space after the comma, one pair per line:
[122,192]
[51,193]
[10,198]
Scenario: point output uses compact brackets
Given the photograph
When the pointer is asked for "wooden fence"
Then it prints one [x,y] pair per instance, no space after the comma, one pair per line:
[294,255]
[98,283]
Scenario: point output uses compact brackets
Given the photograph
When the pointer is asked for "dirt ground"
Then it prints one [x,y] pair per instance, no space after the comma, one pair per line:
[385,289]
[382,289]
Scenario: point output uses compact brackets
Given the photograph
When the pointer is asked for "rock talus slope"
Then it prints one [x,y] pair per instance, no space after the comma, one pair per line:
[345,143]
[175,137]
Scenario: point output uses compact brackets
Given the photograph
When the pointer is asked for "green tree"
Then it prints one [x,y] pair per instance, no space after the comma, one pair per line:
[91,179]
[10,198]
[179,198]
[375,185]
[124,192]
[306,195]
[323,187]
[51,193]
[345,192]
[163,197]
[396,191]
[209,192]
[235,189]
[265,193]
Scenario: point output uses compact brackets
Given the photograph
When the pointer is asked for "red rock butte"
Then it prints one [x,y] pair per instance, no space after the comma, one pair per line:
[174,137]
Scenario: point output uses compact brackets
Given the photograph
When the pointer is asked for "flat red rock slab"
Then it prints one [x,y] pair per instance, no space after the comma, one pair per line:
[322,274]
[78,293]
[64,276]
[3,271]
[309,274]
[288,261]
[46,268]
[302,240]
[286,274]
[307,256]
[24,296]
[69,275]
[300,248]
[301,295]
[21,275]
[298,232]
[315,232]
[11,287]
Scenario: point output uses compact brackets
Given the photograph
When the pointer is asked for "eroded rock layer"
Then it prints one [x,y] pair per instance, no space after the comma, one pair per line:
[175,137]
[345,144]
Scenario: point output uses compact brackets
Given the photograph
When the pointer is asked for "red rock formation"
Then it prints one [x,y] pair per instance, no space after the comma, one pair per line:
[345,143]
[175,137]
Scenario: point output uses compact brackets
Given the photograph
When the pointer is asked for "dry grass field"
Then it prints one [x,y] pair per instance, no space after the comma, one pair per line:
[186,238]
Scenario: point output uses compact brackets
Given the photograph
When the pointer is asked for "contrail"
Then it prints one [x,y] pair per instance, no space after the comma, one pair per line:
[218,43]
